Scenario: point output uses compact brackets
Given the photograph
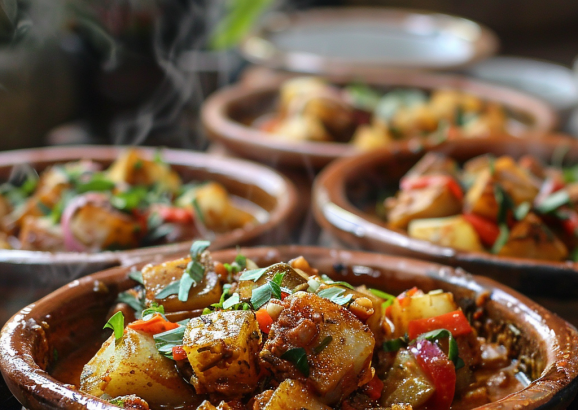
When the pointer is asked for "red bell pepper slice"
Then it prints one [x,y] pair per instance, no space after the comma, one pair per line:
[455,322]
[487,230]
[439,369]
[408,183]
[175,214]
[156,324]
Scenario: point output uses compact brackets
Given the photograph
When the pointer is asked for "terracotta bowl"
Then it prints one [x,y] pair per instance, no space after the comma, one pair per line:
[227,115]
[27,275]
[344,199]
[72,318]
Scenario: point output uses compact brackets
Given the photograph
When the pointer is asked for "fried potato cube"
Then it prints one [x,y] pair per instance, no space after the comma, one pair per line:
[293,394]
[158,277]
[124,367]
[105,228]
[219,214]
[39,234]
[531,238]
[453,231]
[37,204]
[305,322]
[207,405]
[292,279]
[434,163]
[222,348]
[301,128]
[368,137]
[297,88]
[419,307]
[132,169]
[405,382]
[480,198]
[431,202]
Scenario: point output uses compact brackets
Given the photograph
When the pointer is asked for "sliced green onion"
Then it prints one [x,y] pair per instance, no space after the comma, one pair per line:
[298,356]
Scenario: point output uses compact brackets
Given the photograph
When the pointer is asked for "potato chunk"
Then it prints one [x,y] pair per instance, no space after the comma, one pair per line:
[158,277]
[305,322]
[453,231]
[291,280]
[430,202]
[420,307]
[293,394]
[124,368]
[40,234]
[405,382]
[222,348]
[531,238]
[434,163]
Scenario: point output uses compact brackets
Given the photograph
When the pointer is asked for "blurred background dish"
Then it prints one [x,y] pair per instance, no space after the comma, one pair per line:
[228,114]
[358,40]
[28,275]
[74,317]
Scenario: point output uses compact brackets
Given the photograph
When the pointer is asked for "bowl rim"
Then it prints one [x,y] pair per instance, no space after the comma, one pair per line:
[558,379]
[262,176]
[268,54]
[330,202]
[246,139]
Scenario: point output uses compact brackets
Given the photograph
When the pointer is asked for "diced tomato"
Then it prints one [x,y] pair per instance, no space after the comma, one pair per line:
[403,297]
[374,388]
[570,221]
[175,214]
[486,229]
[264,319]
[284,295]
[440,370]
[156,324]
[424,181]
[455,322]
[179,353]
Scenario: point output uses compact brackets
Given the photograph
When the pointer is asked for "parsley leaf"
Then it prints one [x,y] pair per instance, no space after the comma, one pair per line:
[136,275]
[130,299]
[232,301]
[116,323]
[254,274]
[330,281]
[171,289]
[264,293]
[334,294]
[198,247]
[152,309]
[167,340]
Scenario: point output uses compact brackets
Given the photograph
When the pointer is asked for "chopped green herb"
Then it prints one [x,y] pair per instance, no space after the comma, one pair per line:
[171,289]
[198,211]
[116,323]
[452,344]
[324,343]
[97,183]
[167,340]
[264,293]
[198,247]
[502,238]
[330,281]
[386,296]
[130,200]
[574,255]
[130,299]
[254,274]
[152,309]
[334,294]
[522,210]
[298,356]
[241,260]
[553,202]
[362,96]
[232,301]
[394,345]
[136,275]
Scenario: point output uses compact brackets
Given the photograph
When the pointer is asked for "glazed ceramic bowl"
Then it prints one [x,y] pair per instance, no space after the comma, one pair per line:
[28,275]
[345,196]
[72,318]
[228,114]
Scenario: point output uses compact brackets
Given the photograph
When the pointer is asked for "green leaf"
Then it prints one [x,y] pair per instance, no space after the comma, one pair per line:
[334,295]
[553,202]
[505,204]
[383,295]
[443,334]
[522,210]
[130,299]
[171,289]
[198,211]
[136,275]
[232,301]
[330,281]
[324,343]
[298,356]
[130,200]
[241,260]
[198,247]
[502,238]
[116,323]
[395,100]
[241,16]
[394,345]
[264,293]
[574,255]
[152,309]
[97,183]
[167,340]
[254,274]
[362,96]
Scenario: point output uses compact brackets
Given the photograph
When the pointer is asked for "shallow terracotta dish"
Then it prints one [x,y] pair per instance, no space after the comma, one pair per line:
[28,275]
[227,115]
[344,200]
[71,318]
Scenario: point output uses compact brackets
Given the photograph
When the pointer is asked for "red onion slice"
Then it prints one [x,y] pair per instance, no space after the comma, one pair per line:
[71,244]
